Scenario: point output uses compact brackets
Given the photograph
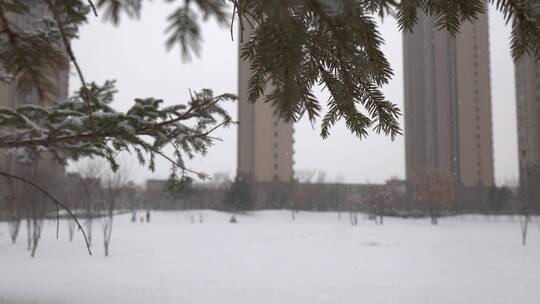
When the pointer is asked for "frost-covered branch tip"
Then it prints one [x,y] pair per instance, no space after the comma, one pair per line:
[145,129]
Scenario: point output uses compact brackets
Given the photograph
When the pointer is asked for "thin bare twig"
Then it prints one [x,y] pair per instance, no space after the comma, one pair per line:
[57,220]
[172,161]
[73,59]
[94,10]
[57,202]
[232,22]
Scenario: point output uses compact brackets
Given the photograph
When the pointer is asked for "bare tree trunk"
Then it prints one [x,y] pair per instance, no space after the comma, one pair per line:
[110,196]
[71,229]
[433,215]
[353,218]
[89,217]
[106,246]
[28,234]
[107,232]
[107,229]
[36,236]
[89,229]
[36,230]
[14,210]
[382,210]
[13,227]
[524,228]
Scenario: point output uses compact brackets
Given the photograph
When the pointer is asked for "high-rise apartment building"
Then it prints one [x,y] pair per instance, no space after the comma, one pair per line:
[265,141]
[448,102]
[10,96]
[527,73]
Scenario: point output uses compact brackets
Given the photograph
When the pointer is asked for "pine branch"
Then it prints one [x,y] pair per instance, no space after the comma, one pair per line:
[67,45]
[65,129]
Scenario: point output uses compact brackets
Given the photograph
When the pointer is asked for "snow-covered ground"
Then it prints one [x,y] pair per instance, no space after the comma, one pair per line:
[268,258]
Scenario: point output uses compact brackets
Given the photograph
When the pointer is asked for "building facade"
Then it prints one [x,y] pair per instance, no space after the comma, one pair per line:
[448,102]
[527,72]
[265,141]
[11,97]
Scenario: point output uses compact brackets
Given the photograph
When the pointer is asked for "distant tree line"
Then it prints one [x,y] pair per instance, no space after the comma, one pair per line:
[93,195]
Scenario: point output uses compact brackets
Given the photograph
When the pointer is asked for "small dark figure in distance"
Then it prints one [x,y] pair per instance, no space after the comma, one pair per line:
[134,217]
[148,216]
[233,220]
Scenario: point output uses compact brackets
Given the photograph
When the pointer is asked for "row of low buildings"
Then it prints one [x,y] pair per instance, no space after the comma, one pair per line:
[273,195]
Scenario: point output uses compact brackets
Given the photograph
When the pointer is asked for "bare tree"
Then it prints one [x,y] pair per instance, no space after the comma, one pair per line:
[389,197]
[33,199]
[353,215]
[305,176]
[89,186]
[16,199]
[339,193]
[34,209]
[433,189]
[379,200]
[114,184]
[298,200]
[321,177]
[528,198]
[12,208]
[71,196]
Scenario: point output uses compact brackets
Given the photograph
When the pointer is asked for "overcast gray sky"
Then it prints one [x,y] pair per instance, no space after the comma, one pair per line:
[134,55]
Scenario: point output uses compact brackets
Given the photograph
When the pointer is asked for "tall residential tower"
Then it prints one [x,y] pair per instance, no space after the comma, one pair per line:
[527,73]
[448,102]
[11,96]
[265,141]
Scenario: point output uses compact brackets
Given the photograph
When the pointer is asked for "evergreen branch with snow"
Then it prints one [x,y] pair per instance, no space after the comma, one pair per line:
[145,129]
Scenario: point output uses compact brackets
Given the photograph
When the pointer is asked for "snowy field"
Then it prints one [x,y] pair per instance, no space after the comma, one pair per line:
[268,258]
